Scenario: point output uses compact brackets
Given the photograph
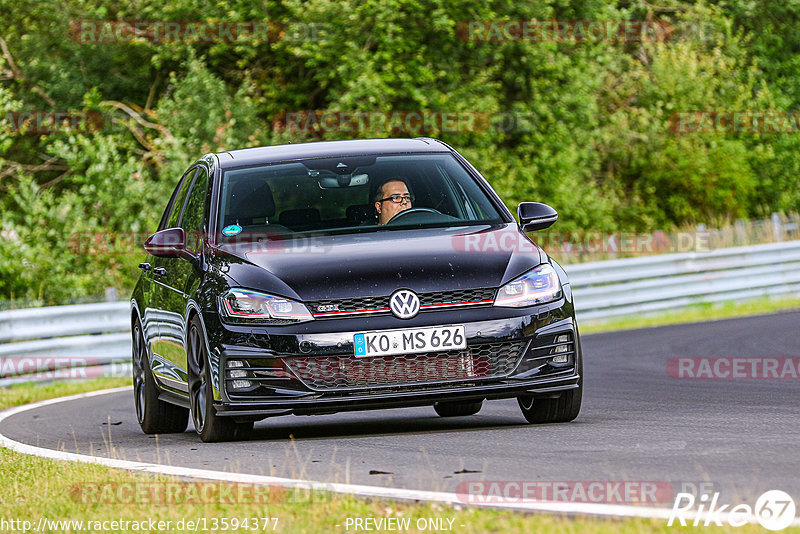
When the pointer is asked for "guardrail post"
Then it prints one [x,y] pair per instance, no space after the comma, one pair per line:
[777,231]
[741,233]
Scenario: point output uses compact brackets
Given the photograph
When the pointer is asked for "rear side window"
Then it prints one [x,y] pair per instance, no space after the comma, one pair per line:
[178,199]
[163,223]
[194,212]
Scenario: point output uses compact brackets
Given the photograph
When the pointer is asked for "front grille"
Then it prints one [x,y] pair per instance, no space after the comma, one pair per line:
[363,303]
[345,372]
[380,305]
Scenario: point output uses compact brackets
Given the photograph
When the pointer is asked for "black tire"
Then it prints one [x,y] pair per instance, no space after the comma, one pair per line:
[155,416]
[209,426]
[561,409]
[457,409]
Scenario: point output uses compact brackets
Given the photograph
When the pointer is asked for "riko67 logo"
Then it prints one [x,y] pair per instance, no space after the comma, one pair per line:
[774,510]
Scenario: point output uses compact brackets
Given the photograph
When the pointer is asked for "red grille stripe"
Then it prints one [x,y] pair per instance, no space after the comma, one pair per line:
[373,310]
[456,304]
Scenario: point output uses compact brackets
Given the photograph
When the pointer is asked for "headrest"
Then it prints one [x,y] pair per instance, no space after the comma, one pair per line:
[299,217]
[251,200]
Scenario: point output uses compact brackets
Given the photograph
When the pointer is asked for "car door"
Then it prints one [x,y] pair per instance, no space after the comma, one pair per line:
[169,301]
[151,291]
[186,273]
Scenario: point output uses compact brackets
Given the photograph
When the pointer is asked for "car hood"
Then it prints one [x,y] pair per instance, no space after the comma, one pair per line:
[378,263]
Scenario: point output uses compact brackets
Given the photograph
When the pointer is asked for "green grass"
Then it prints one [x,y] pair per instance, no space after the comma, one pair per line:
[33,487]
[697,313]
[20,394]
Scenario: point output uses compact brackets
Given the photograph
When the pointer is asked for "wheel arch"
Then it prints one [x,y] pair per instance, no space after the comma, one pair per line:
[193,310]
[135,314]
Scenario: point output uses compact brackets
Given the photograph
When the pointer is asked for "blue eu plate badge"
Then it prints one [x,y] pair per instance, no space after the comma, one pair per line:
[361,347]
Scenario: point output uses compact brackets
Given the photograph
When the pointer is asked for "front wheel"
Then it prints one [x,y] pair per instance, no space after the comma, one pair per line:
[561,409]
[457,409]
[155,416]
[209,426]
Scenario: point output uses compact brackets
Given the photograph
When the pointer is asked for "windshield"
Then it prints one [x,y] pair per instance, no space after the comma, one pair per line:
[351,194]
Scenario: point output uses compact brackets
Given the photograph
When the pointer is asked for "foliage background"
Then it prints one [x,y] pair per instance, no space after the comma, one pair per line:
[595,140]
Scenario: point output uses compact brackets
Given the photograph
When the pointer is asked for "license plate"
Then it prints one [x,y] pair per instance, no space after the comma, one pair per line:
[409,341]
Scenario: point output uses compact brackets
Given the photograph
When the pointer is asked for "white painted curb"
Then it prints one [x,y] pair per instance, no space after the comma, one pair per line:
[607,510]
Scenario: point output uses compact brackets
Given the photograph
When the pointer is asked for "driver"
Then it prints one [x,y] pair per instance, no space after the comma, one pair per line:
[391,198]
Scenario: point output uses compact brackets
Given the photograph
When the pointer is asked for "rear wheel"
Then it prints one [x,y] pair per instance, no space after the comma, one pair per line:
[155,416]
[457,409]
[207,423]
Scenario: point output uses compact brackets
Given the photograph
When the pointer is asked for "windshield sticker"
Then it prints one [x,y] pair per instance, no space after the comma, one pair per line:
[232,229]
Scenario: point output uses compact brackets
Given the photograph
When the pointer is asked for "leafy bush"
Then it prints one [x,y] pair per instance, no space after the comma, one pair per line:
[589,132]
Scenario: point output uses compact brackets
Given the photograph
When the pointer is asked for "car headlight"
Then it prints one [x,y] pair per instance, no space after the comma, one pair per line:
[536,287]
[248,307]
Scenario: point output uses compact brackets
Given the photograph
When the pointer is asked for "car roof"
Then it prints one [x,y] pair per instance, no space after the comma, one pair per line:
[322,149]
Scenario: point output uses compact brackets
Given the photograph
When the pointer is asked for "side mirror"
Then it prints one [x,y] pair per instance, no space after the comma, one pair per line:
[535,216]
[169,243]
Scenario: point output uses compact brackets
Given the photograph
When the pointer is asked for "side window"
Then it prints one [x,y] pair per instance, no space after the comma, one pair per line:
[194,212]
[174,202]
[180,198]
[168,210]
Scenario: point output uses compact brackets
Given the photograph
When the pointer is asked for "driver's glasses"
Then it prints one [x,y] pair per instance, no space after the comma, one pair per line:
[398,199]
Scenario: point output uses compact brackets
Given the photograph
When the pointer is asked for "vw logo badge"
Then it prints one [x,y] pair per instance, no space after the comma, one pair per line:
[404,304]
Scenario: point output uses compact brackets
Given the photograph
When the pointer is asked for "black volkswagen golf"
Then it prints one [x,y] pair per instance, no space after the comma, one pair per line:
[347,275]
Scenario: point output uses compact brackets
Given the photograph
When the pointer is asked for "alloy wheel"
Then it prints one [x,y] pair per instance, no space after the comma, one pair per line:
[198,379]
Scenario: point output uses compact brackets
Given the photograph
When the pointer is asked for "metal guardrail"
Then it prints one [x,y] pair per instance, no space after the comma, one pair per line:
[673,281]
[54,342]
[60,321]
[38,341]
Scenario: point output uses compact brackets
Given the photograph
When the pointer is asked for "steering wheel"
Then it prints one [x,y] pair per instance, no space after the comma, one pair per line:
[403,213]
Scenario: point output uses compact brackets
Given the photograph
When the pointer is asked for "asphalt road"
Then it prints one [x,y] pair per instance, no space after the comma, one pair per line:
[739,437]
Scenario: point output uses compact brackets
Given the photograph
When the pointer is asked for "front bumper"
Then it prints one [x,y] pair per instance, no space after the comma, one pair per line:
[326,404]
[276,388]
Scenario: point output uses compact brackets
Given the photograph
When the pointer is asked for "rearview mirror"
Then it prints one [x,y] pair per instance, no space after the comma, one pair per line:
[169,243]
[342,180]
[535,216]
